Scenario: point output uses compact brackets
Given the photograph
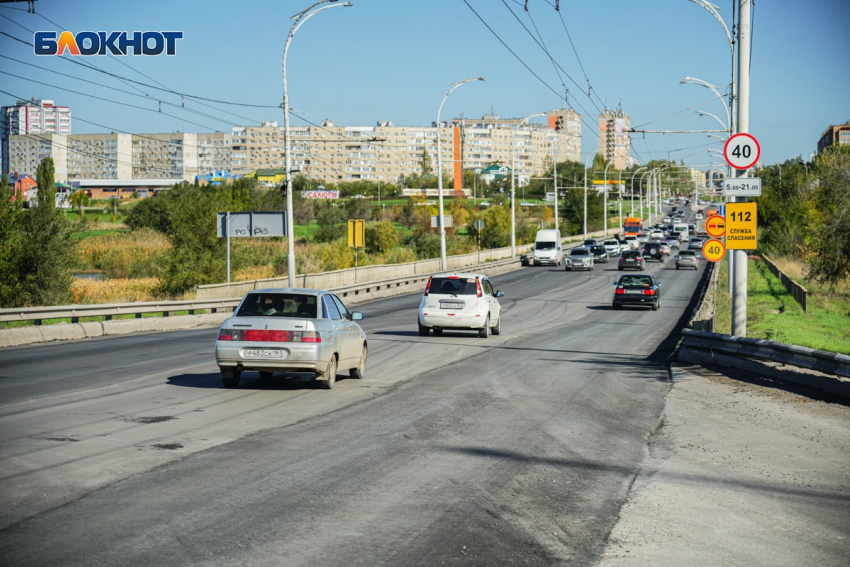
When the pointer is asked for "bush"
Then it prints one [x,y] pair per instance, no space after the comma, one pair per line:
[381,237]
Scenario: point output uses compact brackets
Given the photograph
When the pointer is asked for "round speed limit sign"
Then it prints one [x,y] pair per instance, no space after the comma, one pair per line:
[742,151]
[713,250]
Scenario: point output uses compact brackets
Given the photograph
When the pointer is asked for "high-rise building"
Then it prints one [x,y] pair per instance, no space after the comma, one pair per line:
[834,136]
[614,137]
[36,117]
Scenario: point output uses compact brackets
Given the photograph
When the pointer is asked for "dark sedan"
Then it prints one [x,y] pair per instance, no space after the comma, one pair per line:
[631,259]
[599,253]
[637,289]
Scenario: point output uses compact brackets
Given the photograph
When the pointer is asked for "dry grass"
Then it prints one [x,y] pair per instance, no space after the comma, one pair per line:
[122,254]
[123,290]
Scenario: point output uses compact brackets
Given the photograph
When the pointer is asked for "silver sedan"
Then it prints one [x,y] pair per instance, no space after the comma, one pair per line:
[291,330]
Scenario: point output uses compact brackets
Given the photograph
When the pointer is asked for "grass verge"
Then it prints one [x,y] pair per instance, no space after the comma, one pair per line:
[774,315]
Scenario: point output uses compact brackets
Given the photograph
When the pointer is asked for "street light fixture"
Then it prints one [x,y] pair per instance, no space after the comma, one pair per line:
[513,184]
[712,88]
[719,121]
[299,18]
[440,171]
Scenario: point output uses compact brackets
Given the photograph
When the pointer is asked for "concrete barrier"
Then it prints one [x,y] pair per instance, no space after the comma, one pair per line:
[351,295]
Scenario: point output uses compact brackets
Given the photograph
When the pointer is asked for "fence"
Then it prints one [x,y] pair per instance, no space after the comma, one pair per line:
[798,292]
[356,276]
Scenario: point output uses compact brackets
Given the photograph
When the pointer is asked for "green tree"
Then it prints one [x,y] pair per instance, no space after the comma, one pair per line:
[330,219]
[381,236]
[427,169]
[44,255]
[198,255]
[830,259]
[497,228]
[10,243]
[79,199]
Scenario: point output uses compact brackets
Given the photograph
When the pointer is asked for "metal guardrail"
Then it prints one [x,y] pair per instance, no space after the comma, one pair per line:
[167,308]
[109,310]
[802,357]
[798,292]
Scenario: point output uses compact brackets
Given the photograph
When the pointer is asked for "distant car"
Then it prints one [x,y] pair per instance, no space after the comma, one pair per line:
[631,259]
[612,245]
[637,289]
[666,248]
[687,259]
[667,219]
[590,242]
[652,251]
[699,216]
[642,237]
[624,244]
[599,253]
[291,330]
[460,301]
[578,259]
[657,235]
[673,241]
[695,243]
[633,241]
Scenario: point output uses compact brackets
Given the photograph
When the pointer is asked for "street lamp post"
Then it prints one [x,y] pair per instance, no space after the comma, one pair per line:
[440,222]
[585,193]
[513,183]
[299,18]
[632,186]
[605,199]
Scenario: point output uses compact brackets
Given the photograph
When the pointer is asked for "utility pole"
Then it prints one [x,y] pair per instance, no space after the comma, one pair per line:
[555,182]
[739,290]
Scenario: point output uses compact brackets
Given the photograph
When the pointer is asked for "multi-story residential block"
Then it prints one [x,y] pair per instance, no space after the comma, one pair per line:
[35,117]
[380,153]
[614,137]
[834,136]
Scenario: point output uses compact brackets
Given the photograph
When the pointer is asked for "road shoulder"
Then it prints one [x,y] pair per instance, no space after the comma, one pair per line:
[739,474]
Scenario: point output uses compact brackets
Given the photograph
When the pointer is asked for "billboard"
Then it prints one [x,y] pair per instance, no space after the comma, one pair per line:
[320,194]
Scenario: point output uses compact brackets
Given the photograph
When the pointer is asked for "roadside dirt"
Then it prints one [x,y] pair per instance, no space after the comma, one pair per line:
[743,472]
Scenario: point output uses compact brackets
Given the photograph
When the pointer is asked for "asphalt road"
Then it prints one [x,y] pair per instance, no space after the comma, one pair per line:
[516,449]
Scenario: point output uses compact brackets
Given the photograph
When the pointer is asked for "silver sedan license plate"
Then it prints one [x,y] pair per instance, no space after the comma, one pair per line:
[264,353]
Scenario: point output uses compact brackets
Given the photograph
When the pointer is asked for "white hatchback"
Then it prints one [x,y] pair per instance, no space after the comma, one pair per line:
[460,301]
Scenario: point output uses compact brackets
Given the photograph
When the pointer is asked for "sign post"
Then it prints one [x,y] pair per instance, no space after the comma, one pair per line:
[356,239]
[479,225]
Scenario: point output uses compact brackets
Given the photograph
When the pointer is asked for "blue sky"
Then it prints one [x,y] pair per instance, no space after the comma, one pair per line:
[395,59]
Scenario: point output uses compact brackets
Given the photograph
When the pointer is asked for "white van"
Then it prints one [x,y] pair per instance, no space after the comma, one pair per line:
[683,228]
[547,247]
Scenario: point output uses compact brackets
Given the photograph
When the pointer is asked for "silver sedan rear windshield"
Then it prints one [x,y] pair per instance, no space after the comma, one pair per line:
[294,305]
[453,286]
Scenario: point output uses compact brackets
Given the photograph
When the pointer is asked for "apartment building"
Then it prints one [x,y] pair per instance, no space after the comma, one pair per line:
[380,153]
[614,137]
[34,117]
[179,156]
[834,136]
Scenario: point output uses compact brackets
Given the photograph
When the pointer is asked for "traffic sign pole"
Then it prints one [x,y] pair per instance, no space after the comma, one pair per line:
[739,289]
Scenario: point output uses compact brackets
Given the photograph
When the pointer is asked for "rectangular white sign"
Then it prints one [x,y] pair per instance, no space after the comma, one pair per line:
[250,224]
[315,194]
[742,187]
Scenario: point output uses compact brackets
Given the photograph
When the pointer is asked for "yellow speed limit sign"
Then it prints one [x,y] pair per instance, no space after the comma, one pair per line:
[713,250]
